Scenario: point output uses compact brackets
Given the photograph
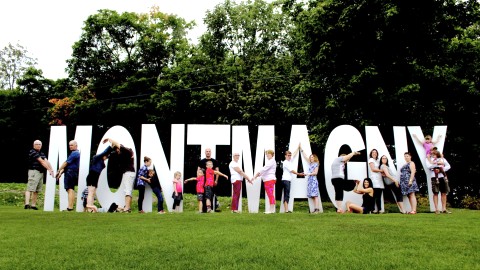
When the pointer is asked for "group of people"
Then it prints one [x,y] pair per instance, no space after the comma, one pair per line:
[381,176]
[267,174]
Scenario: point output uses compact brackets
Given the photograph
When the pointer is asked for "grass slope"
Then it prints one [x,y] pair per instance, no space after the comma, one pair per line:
[70,240]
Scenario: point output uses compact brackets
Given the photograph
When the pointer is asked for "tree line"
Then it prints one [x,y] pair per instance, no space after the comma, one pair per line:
[321,63]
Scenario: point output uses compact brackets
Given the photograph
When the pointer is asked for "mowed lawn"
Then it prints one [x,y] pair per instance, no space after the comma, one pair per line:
[69,240]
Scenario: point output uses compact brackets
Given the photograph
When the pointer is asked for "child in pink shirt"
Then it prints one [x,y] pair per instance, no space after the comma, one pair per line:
[177,191]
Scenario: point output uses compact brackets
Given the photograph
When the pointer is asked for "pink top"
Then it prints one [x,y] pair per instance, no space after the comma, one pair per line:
[210,177]
[200,188]
[178,185]
[268,171]
[428,147]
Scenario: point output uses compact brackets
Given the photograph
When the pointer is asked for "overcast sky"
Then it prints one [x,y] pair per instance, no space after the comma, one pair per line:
[48,28]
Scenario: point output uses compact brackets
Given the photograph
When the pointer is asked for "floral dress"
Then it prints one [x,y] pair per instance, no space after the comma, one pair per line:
[312,187]
[404,178]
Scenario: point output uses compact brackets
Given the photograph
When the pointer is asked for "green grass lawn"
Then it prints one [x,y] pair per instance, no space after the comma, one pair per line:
[69,240]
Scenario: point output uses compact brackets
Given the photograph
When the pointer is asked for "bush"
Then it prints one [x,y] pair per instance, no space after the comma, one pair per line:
[470,202]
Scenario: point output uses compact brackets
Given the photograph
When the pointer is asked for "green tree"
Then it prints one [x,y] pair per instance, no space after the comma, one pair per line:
[388,63]
[14,62]
[241,72]
[116,63]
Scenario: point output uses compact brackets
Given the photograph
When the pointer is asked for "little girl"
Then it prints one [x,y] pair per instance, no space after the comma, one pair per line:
[177,191]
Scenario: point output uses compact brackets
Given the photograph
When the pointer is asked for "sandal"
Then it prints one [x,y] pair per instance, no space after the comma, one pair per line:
[340,211]
[412,212]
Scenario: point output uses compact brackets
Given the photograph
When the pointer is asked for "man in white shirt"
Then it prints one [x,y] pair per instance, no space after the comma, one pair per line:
[287,176]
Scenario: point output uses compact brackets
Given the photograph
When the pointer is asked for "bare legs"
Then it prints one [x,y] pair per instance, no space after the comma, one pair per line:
[413,202]
[90,199]
[71,198]
[28,194]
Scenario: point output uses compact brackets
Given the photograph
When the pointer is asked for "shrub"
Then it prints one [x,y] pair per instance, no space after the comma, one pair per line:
[470,202]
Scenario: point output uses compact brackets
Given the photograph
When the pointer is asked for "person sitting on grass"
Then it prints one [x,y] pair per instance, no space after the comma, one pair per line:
[368,204]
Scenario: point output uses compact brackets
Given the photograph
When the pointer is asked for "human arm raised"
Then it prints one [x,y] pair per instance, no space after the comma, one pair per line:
[417,139]
[112,141]
[221,174]
[349,156]
[190,179]
[437,140]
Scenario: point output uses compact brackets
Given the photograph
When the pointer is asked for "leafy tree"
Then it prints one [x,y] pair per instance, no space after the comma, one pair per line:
[242,69]
[14,63]
[389,63]
[116,63]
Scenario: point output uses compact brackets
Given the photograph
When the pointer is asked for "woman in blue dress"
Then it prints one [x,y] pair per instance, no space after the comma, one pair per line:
[312,183]
[408,183]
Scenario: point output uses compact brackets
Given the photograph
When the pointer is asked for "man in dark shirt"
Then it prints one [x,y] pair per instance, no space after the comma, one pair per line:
[37,165]
[70,167]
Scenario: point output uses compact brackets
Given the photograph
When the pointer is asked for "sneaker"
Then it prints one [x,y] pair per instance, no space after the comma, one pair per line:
[34,208]
[267,212]
[161,212]
[27,206]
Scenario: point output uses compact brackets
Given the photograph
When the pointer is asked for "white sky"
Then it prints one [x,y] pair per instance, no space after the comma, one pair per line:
[48,28]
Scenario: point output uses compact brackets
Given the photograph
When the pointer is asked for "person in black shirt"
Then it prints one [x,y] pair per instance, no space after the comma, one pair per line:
[37,165]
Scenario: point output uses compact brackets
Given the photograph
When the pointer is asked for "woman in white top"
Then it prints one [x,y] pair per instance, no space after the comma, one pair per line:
[236,177]
[375,174]
[268,176]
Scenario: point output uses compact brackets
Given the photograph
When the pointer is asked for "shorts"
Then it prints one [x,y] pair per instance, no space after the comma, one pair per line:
[70,179]
[200,197]
[128,178]
[92,178]
[35,181]
[208,192]
[441,187]
[286,190]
